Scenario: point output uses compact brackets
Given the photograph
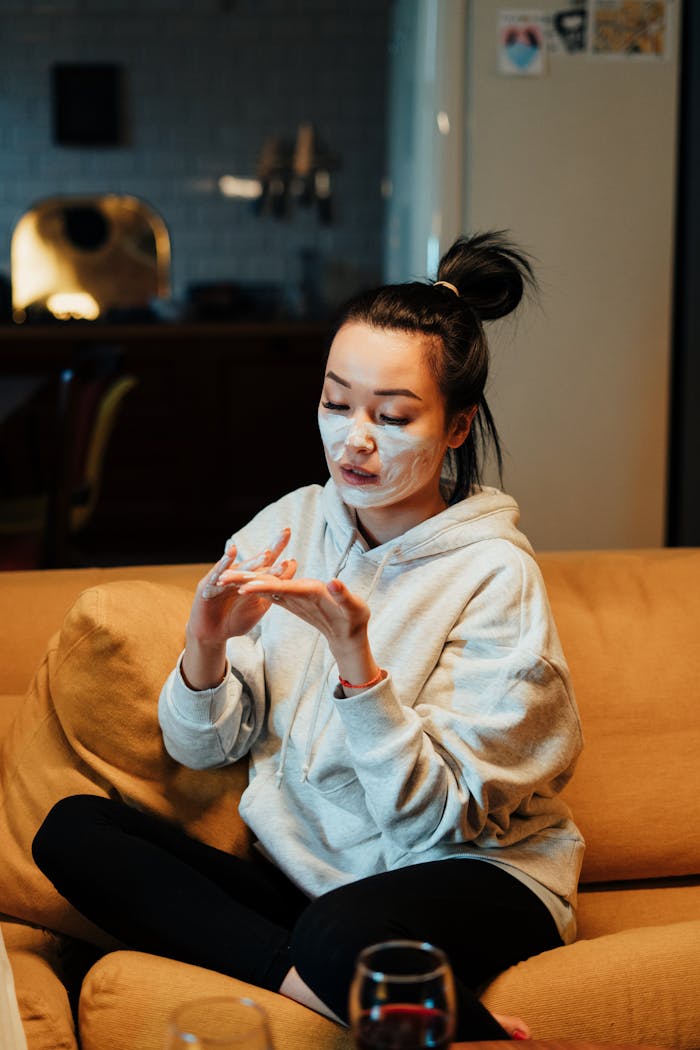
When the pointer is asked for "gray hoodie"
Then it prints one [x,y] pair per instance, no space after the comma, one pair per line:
[460,751]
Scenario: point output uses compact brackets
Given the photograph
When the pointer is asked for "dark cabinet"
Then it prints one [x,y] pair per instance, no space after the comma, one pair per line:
[221,422]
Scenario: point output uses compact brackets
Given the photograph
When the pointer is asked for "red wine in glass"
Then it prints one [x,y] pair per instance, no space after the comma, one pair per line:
[402,997]
[403,1027]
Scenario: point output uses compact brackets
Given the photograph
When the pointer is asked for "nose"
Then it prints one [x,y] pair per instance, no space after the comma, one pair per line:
[360,438]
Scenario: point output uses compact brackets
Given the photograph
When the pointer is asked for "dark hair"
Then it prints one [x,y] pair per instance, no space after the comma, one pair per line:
[491,275]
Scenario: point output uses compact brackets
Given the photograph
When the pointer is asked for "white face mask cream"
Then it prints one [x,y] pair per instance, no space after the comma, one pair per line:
[405,461]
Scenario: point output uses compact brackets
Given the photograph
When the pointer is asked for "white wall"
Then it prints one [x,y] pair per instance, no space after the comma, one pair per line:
[579,165]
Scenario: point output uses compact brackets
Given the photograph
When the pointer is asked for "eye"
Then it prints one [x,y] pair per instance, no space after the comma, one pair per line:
[394,421]
[333,406]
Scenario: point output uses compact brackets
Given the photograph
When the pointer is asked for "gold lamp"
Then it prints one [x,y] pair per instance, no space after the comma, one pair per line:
[82,257]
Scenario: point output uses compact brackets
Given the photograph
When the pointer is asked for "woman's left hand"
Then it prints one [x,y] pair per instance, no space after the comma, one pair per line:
[336,612]
[329,607]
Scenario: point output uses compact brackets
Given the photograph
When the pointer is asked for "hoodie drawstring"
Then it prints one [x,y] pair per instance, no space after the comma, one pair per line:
[279,775]
[295,707]
[380,569]
[320,692]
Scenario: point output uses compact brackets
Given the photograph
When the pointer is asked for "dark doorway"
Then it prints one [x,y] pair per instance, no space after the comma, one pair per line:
[683,522]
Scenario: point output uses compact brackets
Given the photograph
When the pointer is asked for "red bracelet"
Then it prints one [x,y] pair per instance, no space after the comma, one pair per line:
[365,685]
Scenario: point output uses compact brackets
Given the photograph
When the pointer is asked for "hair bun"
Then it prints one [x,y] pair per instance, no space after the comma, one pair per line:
[489,271]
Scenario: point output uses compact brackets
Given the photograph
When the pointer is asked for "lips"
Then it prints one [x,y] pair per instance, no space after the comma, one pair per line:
[357,475]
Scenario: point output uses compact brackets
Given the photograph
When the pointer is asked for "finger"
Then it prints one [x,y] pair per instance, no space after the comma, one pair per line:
[215,589]
[337,590]
[234,575]
[222,564]
[258,561]
[342,595]
[226,558]
[271,584]
[273,552]
[280,542]
[290,568]
[285,570]
[260,586]
[270,554]
[268,586]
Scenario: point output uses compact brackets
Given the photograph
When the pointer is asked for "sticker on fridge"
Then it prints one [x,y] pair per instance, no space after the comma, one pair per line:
[629,29]
[522,50]
[569,34]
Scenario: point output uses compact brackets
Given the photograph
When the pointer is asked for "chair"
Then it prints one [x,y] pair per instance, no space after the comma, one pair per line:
[36,529]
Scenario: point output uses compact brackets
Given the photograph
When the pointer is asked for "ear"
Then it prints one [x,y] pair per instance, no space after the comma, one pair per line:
[460,427]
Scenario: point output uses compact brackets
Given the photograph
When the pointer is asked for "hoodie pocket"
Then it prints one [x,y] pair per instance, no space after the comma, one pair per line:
[330,769]
[347,794]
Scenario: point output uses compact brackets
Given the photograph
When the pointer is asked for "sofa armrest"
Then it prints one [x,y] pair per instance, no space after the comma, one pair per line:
[43,1002]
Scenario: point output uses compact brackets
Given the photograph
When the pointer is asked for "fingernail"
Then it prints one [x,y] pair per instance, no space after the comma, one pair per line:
[519,1034]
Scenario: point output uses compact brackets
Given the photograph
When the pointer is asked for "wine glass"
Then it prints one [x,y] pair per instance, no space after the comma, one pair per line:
[219,1023]
[402,997]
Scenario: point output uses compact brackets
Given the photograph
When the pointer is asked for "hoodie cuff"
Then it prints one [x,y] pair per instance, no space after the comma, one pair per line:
[362,710]
[201,706]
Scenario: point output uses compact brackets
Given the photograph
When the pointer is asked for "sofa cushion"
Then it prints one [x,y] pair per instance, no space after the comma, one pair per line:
[89,725]
[628,622]
[636,987]
[33,605]
[127,998]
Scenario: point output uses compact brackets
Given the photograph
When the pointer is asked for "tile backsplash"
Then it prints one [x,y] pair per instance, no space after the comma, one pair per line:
[207,83]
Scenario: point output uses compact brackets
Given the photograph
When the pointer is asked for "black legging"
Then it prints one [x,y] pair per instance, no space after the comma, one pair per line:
[147,883]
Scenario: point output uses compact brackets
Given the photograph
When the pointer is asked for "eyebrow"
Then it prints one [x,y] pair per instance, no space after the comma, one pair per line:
[398,392]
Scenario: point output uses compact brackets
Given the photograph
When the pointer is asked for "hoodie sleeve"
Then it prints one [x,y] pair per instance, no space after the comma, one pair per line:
[492,736]
[206,728]
[215,727]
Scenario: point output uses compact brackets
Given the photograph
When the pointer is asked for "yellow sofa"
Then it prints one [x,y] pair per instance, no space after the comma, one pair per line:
[82,656]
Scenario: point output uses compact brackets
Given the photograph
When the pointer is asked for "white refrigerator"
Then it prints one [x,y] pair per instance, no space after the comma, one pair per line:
[577,160]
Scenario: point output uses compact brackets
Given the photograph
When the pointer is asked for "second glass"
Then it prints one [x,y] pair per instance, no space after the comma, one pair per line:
[218,1023]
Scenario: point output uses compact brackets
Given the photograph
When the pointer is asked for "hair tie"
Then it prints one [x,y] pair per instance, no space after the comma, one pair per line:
[447,285]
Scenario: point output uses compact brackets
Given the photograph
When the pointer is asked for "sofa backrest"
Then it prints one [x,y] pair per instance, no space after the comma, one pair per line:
[629,623]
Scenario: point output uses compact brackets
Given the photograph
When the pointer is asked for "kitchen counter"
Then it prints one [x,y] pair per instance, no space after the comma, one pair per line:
[92,330]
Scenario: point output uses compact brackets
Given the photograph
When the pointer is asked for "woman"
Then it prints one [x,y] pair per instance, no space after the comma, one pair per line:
[398,685]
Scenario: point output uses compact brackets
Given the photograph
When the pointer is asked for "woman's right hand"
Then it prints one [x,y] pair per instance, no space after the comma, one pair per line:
[219,612]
